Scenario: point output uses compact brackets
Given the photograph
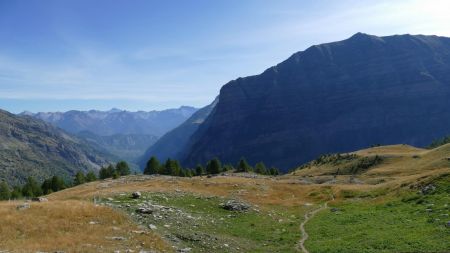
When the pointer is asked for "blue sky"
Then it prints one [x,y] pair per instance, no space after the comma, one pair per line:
[144,55]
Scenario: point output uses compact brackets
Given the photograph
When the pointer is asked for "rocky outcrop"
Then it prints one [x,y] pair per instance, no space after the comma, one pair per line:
[334,97]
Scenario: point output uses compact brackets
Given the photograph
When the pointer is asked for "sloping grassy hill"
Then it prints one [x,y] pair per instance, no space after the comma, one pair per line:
[398,202]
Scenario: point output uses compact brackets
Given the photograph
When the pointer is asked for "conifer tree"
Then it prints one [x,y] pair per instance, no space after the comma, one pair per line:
[243,166]
[5,192]
[80,178]
[122,168]
[31,188]
[199,170]
[214,166]
[152,167]
[90,176]
[16,193]
[260,168]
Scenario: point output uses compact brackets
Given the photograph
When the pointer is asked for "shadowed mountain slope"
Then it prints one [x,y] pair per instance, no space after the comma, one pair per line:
[31,147]
[330,98]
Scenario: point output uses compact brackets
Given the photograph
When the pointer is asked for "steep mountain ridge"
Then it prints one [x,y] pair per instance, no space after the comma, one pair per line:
[31,147]
[334,97]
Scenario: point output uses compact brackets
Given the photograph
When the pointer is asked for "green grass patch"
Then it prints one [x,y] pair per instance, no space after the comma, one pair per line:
[201,224]
[413,222]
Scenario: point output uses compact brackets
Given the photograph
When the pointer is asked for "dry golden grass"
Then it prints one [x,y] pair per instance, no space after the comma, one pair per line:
[64,225]
[263,190]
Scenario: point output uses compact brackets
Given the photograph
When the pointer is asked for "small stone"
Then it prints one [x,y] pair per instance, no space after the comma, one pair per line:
[136,195]
[427,189]
[39,199]
[23,206]
[334,209]
[152,227]
[185,250]
[448,224]
[167,226]
[93,222]
[116,238]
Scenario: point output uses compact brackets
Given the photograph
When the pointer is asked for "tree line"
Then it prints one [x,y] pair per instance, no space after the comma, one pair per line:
[32,188]
[214,166]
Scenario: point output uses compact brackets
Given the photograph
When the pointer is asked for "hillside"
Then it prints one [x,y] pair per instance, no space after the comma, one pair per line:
[30,147]
[334,97]
[398,205]
[174,142]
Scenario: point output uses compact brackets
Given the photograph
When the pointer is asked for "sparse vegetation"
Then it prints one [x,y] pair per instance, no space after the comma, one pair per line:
[199,223]
[440,142]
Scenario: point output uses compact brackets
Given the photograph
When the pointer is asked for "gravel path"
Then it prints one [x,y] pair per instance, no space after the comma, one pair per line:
[309,215]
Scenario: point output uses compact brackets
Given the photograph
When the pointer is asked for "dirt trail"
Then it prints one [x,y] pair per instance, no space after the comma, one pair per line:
[309,215]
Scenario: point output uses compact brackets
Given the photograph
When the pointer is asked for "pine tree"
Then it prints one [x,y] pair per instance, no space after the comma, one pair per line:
[260,168]
[189,173]
[274,171]
[90,176]
[80,178]
[5,193]
[199,170]
[122,168]
[106,172]
[228,167]
[16,193]
[214,166]
[58,184]
[152,167]
[47,186]
[31,188]
[172,167]
[243,166]
[116,174]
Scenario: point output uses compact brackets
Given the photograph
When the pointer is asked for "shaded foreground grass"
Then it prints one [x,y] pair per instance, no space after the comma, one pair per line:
[201,224]
[65,226]
[408,222]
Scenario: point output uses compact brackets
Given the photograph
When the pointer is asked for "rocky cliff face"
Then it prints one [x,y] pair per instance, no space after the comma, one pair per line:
[31,147]
[333,97]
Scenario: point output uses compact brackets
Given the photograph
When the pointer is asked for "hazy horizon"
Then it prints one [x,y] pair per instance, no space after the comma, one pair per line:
[152,55]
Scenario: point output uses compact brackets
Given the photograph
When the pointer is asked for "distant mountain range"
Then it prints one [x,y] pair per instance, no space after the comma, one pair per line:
[122,133]
[115,121]
[334,97]
[31,147]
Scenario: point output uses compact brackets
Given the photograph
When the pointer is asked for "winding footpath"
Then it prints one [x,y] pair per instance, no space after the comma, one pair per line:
[309,215]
